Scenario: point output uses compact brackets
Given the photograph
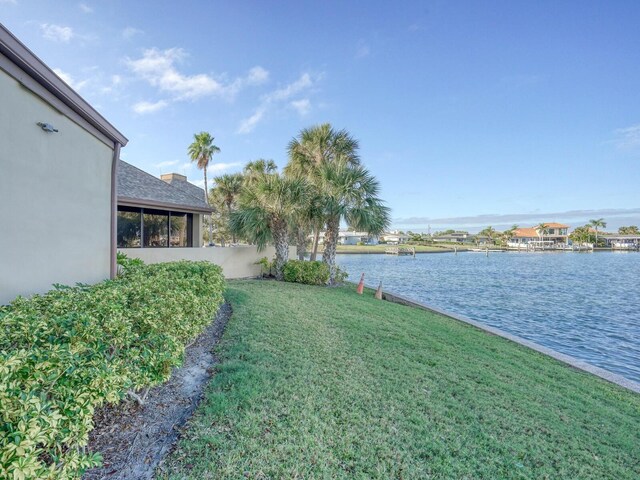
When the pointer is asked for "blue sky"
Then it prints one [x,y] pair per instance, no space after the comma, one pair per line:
[469,113]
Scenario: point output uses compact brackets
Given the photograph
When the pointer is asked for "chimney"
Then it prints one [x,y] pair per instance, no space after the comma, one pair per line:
[173,177]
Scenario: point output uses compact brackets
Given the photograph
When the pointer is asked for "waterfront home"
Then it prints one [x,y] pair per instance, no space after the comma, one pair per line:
[394,238]
[351,238]
[556,234]
[165,212]
[455,237]
[58,185]
[622,242]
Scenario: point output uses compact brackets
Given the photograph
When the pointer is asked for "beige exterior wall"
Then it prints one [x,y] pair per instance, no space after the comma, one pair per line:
[55,197]
[236,262]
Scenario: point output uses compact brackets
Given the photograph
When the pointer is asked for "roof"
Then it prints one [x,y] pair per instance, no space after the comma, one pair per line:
[139,188]
[525,232]
[556,225]
[35,68]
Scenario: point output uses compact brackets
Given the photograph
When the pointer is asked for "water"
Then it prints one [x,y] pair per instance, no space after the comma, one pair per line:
[582,304]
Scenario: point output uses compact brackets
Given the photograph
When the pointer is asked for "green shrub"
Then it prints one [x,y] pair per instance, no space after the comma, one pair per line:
[311,273]
[125,262]
[69,351]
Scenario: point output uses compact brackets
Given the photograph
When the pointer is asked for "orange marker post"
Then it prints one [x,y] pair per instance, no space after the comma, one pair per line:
[360,288]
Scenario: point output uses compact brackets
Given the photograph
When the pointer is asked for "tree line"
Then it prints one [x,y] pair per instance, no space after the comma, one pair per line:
[323,184]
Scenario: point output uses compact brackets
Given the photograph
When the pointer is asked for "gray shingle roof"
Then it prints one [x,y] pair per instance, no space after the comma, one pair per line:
[137,186]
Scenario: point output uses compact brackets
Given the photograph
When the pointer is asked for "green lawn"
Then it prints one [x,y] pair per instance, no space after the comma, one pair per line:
[322,383]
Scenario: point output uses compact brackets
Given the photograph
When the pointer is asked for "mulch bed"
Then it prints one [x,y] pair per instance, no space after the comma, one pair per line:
[134,439]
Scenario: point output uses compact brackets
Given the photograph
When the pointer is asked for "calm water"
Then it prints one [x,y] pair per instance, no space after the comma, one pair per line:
[582,304]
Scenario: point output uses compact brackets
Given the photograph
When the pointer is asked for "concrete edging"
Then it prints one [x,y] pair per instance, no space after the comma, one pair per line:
[566,359]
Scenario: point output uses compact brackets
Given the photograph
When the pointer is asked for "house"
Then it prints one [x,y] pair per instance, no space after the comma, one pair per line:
[533,237]
[59,160]
[165,212]
[622,242]
[350,238]
[455,237]
[394,238]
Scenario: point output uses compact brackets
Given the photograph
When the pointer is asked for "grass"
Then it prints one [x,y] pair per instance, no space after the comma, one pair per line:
[322,383]
[382,248]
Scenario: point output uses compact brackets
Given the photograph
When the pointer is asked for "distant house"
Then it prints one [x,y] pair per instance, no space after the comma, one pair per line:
[351,238]
[455,237]
[163,212]
[59,159]
[622,242]
[394,238]
[524,238]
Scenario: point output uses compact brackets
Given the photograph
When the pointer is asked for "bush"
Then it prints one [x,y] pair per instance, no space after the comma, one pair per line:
[69,351]
[310,273]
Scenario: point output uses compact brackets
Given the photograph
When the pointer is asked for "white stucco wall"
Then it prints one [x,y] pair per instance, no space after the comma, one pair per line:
[55,197]
[236,262]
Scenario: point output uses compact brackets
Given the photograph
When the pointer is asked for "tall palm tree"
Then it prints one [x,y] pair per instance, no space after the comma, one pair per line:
[541,228]
[596,223]
[201,151]
[265,211]
[349,193]
[315,146]
[229,186]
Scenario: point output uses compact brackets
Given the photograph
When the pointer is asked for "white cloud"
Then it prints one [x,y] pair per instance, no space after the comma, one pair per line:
[168,163]
[130,32]
[142,108]
[85,8]
[283,94]
[257,76]
[56,33]
[628,138]
[305,81]
[248,124]
[362,49]
[215,168]
[302,106]
[68,79]
[158,68]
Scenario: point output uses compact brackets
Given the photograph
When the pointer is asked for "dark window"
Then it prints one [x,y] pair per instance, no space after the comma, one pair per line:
[157,228]
[129,226]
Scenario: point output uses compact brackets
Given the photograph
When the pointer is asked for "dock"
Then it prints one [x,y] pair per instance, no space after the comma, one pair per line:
[400,251]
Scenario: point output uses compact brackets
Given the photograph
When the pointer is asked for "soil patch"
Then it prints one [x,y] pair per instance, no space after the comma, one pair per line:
[134,439]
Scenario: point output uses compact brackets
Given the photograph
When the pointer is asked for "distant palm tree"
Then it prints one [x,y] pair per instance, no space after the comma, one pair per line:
[265,212]
[228,186]
[630,230]
[596,223]
[489,232]
[541,228]
[253,170]
[201,151]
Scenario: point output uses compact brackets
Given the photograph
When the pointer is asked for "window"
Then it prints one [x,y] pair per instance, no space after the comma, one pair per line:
[129,227]
[150,228]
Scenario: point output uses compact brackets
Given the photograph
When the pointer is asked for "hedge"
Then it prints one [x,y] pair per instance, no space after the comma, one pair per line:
[311,273]
[65,353]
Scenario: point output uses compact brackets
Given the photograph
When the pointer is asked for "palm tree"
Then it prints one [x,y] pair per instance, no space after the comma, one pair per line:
[228,186]
[201,151]
[541,228]
[349,194]
[313,147]
[630,230]
[488,232]
[595,223]
[253,170]
[329,160]
[265,211]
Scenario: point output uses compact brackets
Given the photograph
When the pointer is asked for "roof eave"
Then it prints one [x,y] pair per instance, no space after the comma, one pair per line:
[141,202]
[27,61]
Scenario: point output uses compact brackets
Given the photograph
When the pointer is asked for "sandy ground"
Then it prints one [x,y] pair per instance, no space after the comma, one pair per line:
[135,439]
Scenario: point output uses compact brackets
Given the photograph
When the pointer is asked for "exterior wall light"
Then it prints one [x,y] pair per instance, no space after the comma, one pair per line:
[47,127]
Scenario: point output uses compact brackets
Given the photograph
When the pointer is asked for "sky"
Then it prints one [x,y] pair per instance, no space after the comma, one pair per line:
[470,114]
